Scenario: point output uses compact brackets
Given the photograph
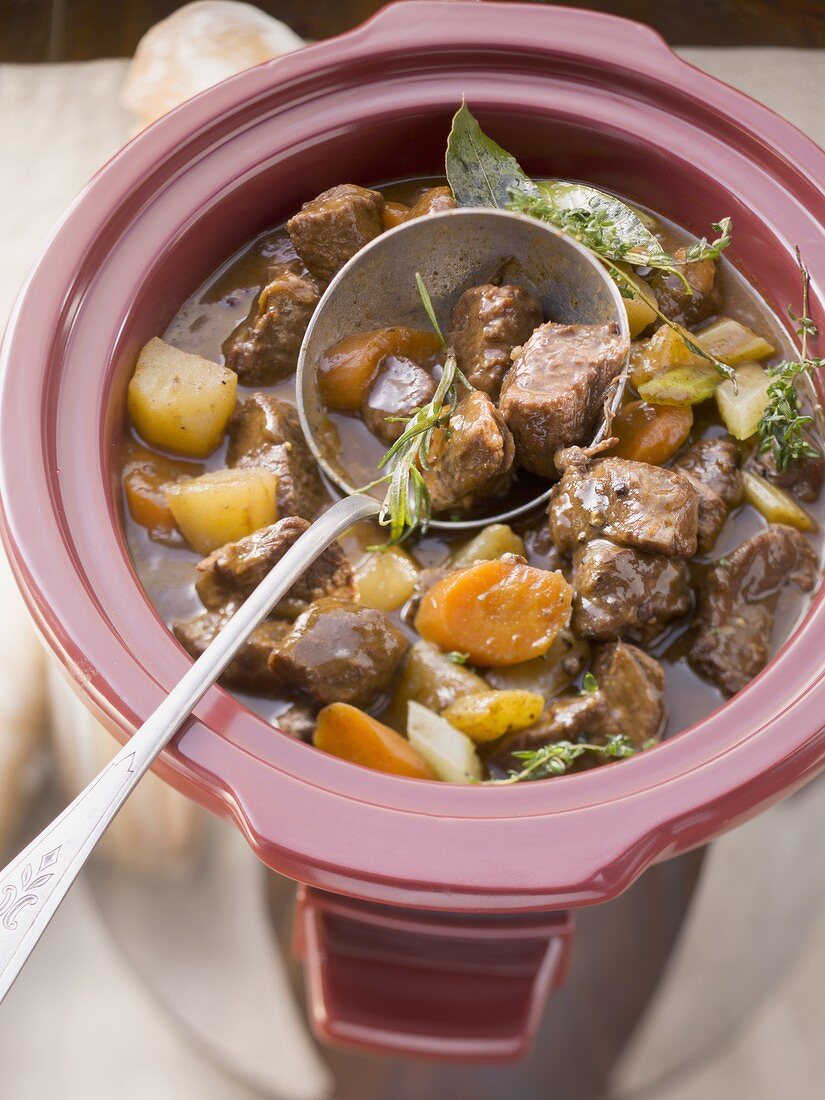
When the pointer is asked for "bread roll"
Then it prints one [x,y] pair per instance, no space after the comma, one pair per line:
[197,46]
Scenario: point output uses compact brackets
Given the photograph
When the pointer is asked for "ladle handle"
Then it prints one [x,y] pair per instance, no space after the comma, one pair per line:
[33,885]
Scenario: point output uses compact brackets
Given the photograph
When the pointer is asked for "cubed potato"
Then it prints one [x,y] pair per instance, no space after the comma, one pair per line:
[181,401]
[450,753]
[665,350]
[743,406]
[223,506]
[640,308]
[490,714]
[386,579]
[491,542]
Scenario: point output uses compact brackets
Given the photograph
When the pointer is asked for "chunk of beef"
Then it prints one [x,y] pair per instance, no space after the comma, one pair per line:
[429,677]
[264,348]
[629,700]
[338,651]
[330,229]
[687,307]
[249,670]
[472,460]
[713,468]
[631,503]
[619,592]
[231,573]
[802,477]
[400,386]
[298,720]
[265,431]
[432,201]
[738,604]
[487,323]
[553,394]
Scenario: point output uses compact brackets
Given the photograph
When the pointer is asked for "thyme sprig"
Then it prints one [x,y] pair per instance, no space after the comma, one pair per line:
[558,757]
[407,506]
[783,425]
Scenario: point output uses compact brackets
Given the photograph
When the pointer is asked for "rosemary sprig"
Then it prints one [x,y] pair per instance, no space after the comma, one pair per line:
[558,757]
[407,506]
[782,427]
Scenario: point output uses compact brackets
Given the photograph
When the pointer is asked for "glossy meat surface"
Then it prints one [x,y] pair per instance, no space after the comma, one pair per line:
[738,604]
[631,503]
[553,394]
[687,306]
[472,461]
[487,323]
[400,386]
[249,671]
[264,348]
[713,468]
[338,651]
[619,592]
[330,229]
[231,573]
[265,431]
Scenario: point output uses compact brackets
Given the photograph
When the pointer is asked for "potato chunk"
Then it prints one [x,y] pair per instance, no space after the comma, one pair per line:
[223,506]
[490,714]
[491,542]
[180,401]
[386,579]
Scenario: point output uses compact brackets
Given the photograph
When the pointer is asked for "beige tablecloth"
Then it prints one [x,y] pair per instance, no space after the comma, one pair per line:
[82,1024]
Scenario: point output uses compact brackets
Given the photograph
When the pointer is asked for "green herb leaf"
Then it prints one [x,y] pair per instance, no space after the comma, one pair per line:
[457,658]
[427,303]
[783,425]
[590,685]
[558,757]
[478,170]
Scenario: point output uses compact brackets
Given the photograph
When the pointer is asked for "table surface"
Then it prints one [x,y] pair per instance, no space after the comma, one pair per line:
[78,30]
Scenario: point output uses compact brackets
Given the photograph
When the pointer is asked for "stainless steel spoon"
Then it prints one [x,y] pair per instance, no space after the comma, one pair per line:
[453,251]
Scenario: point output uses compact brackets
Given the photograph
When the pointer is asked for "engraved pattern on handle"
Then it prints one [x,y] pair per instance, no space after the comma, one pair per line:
[36,881]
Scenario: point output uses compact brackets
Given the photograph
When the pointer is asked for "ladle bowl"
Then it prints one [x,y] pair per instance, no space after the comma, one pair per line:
[453,251]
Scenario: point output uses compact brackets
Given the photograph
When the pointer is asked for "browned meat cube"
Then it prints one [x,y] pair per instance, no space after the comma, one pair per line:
[264,348]
[713,467]
[619,592]
[231,573]
[330,229]
[629,699]
[265,431]
[400,386]
[472,460]
[687,307]
[802,477]
[738,604]
[298,720]
[632,503]
[249,670]
[433,201]
[338,651]
[553,394]
[487,323]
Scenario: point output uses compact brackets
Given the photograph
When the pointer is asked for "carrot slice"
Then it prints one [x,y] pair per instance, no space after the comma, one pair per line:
[345,731]
[497,612]
[651,433]
[346,371]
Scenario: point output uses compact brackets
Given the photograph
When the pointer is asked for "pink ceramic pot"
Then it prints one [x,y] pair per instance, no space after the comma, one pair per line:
[573,94]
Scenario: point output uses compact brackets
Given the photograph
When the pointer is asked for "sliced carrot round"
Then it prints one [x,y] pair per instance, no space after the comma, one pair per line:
[651,433]
[497,612]
[345,731]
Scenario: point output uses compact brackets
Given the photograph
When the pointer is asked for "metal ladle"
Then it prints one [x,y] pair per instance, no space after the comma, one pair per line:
[453,251]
